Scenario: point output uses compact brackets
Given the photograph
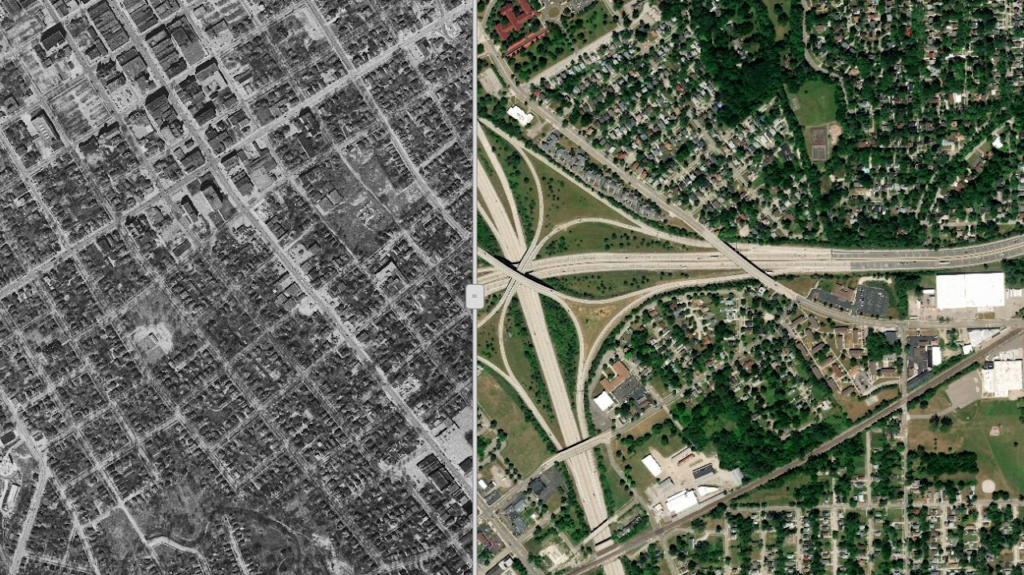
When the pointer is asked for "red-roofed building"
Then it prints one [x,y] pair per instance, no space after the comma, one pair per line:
[515,21]
[526,42]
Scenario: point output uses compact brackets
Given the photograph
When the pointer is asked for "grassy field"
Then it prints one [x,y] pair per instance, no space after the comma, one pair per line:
[936,403]
[643,478]
[817,103]
[775,9]
[620,494]
[777,492]
[857,407]
[487,339]
[998,457]
[526,449]
[524,189]
[611,284]
[563,39]
[593,318]
[488,169]
[566,343]
[801,284]
[591,237]
[564,200]
[523,363]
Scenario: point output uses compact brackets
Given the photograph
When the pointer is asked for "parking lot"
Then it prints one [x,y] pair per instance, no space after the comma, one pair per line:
[870,301]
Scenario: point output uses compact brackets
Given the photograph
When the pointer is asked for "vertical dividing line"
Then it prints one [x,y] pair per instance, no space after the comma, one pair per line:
[473,258]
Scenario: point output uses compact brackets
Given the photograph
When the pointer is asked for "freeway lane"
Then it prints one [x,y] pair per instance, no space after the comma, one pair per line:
[773,264]
[813,306]
[582,466]
[739,259]
[1003,341]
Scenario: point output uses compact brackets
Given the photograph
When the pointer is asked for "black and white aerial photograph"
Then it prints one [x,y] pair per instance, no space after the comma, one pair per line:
[234,240]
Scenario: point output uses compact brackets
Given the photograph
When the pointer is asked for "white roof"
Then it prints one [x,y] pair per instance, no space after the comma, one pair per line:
[936,356]
[682,501]
[970,290]
[979,336]
[520,115]
[1003,378]
[604,401]
[705,490]
[652,465]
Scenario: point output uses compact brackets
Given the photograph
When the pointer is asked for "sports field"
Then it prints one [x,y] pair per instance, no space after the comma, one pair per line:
[999,456]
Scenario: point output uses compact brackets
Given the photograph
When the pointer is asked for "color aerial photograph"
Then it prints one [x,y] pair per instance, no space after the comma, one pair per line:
[754,287]
[234,239]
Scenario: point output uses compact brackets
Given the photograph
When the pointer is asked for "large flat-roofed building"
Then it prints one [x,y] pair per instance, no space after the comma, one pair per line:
[1002,379]
[960,291]
[652,465]
[682,501]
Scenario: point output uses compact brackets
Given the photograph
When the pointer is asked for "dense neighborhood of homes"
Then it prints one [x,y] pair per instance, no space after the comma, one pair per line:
[233,237]
[754,287]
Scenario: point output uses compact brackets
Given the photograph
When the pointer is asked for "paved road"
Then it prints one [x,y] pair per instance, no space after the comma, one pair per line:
[582,466]
[500,203]
[772,261]
[749,268]
[503,226]
[883,260]
[1005,340]
[893,260]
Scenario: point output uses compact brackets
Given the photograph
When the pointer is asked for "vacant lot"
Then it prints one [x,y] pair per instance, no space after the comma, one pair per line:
[857,407]
[526,449]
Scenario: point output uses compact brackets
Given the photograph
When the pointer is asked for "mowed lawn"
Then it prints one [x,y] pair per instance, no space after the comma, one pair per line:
[526,449]
[565,200]
[590,237]
[524,189]
[620,493]
[998,458]
[604,285]
[817,103]
[524,366]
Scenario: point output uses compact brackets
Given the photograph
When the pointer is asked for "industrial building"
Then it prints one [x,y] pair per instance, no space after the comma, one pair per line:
[961,291]
[681,502]
[1002,379]
[652,465]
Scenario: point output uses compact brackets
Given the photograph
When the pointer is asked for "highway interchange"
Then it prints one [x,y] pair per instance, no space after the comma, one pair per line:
[520,272]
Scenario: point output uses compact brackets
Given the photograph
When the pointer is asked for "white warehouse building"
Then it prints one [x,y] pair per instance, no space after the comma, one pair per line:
[960,291]
[652,465]
[681,502]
